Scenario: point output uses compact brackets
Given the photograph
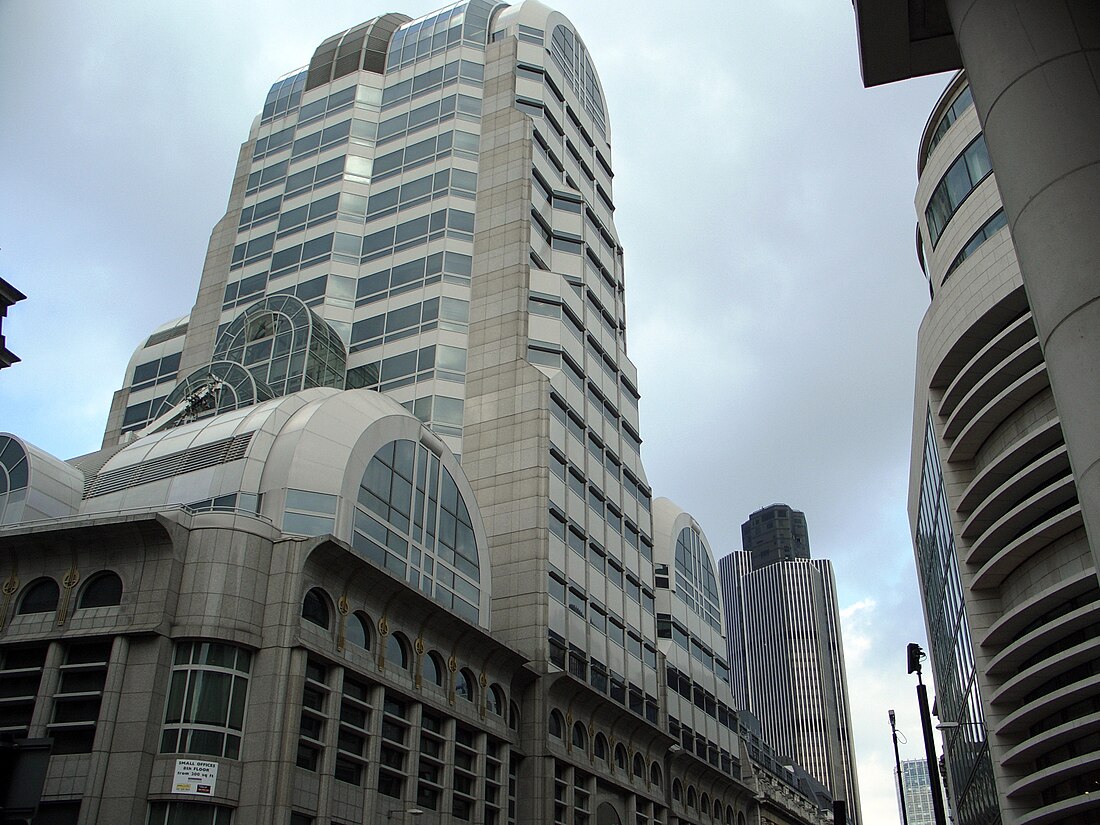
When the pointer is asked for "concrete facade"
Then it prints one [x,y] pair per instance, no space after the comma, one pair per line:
[988,433]
[370,531]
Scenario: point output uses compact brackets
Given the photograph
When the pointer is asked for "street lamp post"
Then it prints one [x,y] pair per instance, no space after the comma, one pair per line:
[897,763]
[914,654]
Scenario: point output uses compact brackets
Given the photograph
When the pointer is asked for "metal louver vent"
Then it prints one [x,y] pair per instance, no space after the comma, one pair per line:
[167,466]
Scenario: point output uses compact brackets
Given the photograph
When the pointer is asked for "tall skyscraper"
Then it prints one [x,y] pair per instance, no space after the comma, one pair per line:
[915,794]
[369,533]
[1003,492]
[783,634]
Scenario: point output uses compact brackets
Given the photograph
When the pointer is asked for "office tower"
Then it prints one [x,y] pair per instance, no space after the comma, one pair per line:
[369,534]
[783,631]
[992,479]
[775,533]
[915,797]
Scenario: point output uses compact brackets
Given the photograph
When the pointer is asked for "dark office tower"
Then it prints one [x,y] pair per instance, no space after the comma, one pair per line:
[785,650]
[775,533]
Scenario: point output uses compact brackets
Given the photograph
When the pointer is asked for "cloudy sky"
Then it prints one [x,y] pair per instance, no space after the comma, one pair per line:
[765,202]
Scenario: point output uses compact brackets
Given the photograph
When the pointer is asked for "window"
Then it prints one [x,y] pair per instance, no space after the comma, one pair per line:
[40,596]
[189,813]
[494,700]
[315,608]
[397,651]
[206,700]
[599,748]
[355,715]
[620,756]
[102,590]
[311,726]
[968,170]
[580,736]
[79,694]
[465,685]
[20,676]
[639,766]
[358,632]
[433,668]
[557,724]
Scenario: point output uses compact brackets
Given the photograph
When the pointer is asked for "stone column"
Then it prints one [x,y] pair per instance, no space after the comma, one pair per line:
[1034,69]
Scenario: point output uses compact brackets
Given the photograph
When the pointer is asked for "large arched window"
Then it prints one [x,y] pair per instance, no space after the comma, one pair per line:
[620,757]
[639,766]
[432,669]
[358,631]
[599,748]
[494,700]
[285,345]
[696,583]
[580,736]
[513,716]
[101,590]
[691,796]
[677,790]
[704,803]
[557,724]
[14,476]
[40,596]
[717,809]
[315,608]
[407,499]
[397,651]
[466,685]
[655,775]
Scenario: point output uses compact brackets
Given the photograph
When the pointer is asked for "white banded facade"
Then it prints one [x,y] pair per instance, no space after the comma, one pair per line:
[794,674]
[987,441]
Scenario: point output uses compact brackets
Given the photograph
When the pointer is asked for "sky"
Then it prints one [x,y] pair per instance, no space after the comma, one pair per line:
[764,201]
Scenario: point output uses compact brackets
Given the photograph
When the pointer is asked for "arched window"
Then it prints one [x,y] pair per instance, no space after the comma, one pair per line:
[557,724]
[620,757]
[397,651]
[465,685]
[494,700]
[677,790]
[704,804]
[691,796]
[358,630]
[40,596]
[580,736]
[599,748]
[102,590]
[717,810]
[513,716]
[315,608]
[639,766]
[655,775]
[433,669]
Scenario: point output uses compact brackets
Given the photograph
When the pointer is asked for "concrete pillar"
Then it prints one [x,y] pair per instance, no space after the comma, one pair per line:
[1034,69]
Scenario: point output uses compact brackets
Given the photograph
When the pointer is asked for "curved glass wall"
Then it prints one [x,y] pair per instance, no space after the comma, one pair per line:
[696,584]
[411,519]
[968,170]
[14,476]
[967,747]
[569,53]
[285,345]
[219,387]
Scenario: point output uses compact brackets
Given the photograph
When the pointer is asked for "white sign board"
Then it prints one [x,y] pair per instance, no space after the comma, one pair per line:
[195,777]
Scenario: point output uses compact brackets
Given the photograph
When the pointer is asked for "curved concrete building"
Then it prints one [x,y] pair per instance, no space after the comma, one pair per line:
[1006,568]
